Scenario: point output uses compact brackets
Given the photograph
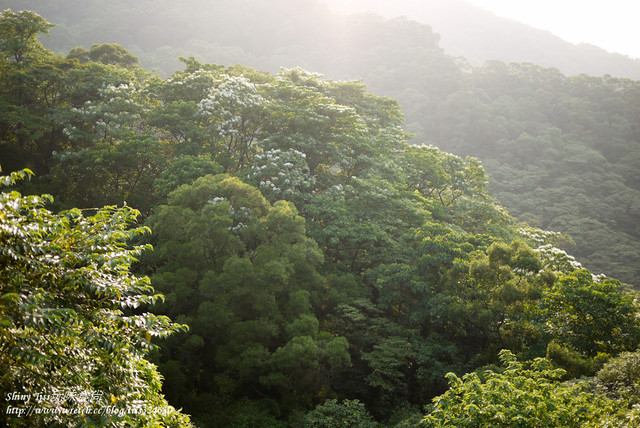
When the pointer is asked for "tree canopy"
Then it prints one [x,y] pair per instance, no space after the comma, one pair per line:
[329,271]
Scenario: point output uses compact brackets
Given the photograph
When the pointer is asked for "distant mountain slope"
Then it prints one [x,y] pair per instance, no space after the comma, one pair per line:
[478,35]
[170,30]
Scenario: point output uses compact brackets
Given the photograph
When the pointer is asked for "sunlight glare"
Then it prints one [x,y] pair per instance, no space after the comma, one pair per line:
[611,25]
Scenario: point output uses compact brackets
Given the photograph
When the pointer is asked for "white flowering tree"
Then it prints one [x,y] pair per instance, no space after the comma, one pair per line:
[554,259]
[281,174]
[115,111]
[108,158]
[233,111]
[302,118]
[175,116]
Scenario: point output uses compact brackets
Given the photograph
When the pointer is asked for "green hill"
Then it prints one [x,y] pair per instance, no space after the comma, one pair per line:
[329,267]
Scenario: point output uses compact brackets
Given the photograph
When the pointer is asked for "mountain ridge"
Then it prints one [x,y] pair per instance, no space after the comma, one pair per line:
[479,35]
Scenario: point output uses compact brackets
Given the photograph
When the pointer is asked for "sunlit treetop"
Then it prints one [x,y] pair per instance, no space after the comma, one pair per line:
[18,35]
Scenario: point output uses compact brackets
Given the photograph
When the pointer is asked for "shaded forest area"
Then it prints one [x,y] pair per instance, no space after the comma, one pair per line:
[563,152]
[323,267]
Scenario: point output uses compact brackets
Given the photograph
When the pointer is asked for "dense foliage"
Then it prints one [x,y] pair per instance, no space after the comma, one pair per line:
[329,271]
[67,334]
[521,396]
[561,151]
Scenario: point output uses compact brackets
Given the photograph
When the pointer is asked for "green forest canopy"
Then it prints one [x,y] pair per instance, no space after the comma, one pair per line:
[326,267]
[562,151]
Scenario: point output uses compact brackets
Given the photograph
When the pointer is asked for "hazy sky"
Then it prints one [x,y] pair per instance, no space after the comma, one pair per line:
[613,25]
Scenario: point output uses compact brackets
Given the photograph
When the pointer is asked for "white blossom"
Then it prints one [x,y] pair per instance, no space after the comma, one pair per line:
[216,200]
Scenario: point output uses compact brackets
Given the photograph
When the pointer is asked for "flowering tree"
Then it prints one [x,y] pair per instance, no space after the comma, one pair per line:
[116,109]
[232,111]
[281,174]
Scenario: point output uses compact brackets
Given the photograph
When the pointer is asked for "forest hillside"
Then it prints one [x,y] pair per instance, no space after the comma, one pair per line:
[562,151]
[322,265]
